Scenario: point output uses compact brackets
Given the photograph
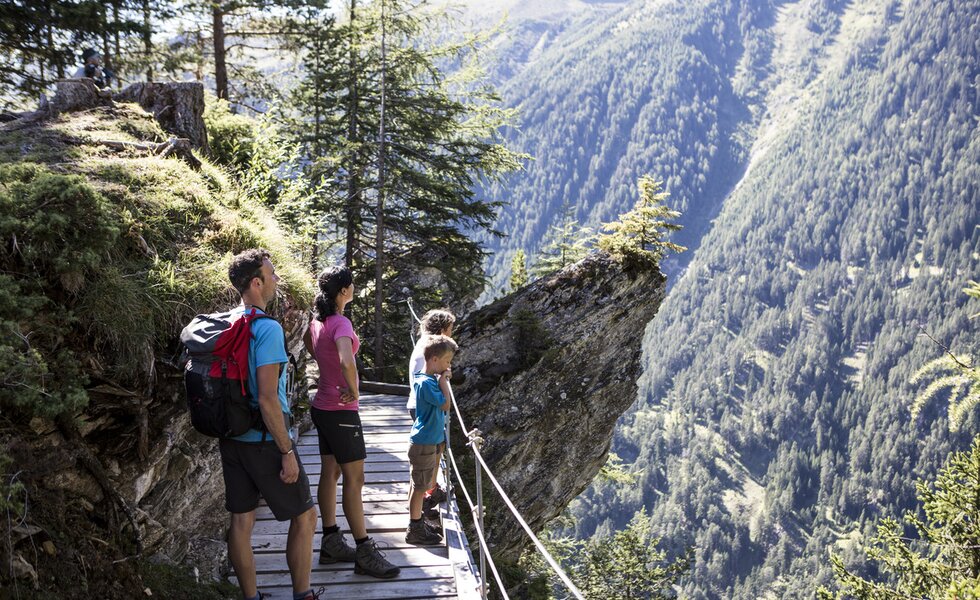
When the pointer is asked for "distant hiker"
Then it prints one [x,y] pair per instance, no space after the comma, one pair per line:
[255,465]
[332,342]
[93,69]
[428,437]
[434,322]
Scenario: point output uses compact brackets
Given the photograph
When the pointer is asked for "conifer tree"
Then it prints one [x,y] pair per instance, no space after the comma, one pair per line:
[945,561]
[956,373]
[440,139]
[518,270]
[565,243]
[640,235]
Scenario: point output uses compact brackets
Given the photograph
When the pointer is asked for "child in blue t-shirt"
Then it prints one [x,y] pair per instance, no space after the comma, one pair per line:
[428,435]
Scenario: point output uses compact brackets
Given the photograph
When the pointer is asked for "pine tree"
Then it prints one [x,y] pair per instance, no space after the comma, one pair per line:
[440,140]
[639,236]
[41,41]
[957,373]
[518,270]
[565,243]
[945,561]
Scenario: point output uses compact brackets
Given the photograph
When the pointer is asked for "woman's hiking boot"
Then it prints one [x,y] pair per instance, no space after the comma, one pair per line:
[334,548]
[419,534]
[371,561]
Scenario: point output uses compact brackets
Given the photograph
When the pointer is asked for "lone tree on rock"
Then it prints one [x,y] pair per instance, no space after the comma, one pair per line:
[639,236]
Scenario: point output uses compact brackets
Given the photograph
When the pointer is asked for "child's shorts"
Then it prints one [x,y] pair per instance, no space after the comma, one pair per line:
[424,461]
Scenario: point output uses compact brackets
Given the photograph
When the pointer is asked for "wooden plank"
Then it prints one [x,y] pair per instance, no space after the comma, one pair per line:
[327,578]
[397,506]
[427,572]
[388,589]
[376,522]
[402,557]
[394,540]
[379,387]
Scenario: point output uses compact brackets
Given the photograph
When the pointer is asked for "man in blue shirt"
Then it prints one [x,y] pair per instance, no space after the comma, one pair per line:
[428,435]
[266,463]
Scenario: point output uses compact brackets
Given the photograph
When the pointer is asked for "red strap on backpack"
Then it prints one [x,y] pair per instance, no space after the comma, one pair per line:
[231,350]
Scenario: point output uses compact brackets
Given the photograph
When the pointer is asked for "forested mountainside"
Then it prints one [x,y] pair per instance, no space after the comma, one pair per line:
[655,87]
[839,143]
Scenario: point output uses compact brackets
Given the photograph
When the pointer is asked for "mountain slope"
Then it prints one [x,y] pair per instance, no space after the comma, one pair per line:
[778,428]
[825,154]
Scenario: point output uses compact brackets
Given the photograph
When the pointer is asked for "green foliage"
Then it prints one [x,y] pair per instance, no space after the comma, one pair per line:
[952,372]
[60,229]
[174,581]
[232,137]
[98,272]
[518,270]
[959,376]
[532,339]
[944,562]
[614,471]
[565,243]
[627,564]
[441,140]
[11,491]
[639,236]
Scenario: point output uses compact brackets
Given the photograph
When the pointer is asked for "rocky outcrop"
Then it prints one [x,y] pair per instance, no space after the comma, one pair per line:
[544,374]
[144,456]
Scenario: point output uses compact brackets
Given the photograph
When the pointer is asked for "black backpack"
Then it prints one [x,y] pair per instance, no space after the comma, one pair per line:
[216,374]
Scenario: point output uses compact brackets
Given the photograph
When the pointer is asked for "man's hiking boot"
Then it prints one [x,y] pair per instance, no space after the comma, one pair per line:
[431,514]
[312,595]
[371,561]
[438,496]
[334,548]
[420,534]
[433,526]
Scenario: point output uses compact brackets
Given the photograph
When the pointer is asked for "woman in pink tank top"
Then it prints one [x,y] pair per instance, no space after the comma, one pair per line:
[333,343]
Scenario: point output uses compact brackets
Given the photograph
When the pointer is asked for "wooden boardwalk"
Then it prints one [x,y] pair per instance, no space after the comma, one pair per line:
[426,572]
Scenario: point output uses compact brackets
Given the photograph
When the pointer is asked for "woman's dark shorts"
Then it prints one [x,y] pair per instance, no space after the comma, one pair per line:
[251,469]
[340,434]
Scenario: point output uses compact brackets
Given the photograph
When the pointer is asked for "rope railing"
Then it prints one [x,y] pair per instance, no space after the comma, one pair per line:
[474,441]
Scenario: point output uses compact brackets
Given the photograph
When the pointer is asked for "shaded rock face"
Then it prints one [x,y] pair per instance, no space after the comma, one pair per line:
[167,473]
[178,107]
[544,374]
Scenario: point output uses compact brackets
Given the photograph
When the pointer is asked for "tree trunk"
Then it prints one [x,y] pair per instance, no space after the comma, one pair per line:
[115,35]
[218,35]
[178,107]
[379,243]
[148,39]
[353,182]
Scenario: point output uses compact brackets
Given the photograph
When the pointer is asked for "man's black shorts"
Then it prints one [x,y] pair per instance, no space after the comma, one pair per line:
[252,469]
[340,434]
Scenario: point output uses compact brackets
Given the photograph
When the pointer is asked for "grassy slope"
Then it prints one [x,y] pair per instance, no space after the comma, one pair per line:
[105,255]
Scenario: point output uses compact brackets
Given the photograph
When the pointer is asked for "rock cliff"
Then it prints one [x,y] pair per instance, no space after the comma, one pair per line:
[544,374]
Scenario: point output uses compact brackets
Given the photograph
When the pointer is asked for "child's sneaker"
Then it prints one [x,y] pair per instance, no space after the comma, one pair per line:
[419,534]
[334,548]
